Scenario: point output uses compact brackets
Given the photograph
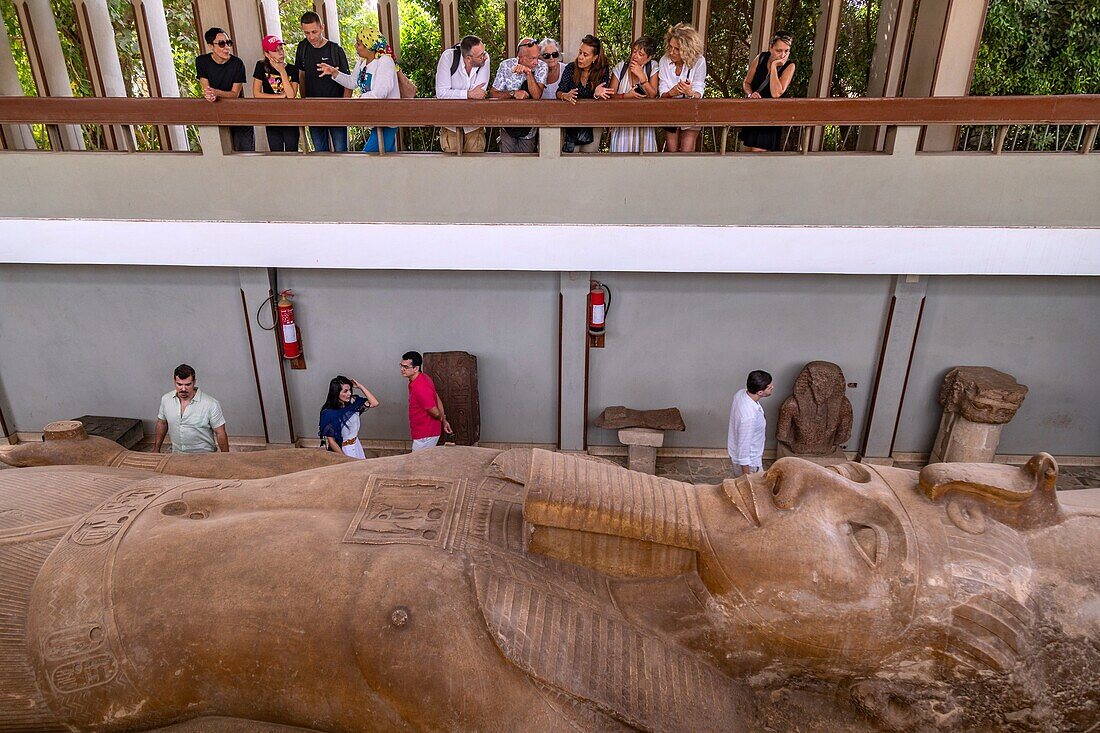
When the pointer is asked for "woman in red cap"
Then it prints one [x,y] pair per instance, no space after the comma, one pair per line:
[274,78]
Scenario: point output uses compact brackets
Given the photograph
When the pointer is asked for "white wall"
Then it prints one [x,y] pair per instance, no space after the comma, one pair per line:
[689,341]
[359,323]
[78,340]
[1044,331]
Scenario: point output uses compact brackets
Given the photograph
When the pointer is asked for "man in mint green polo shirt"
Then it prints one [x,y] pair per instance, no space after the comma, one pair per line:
[192,417]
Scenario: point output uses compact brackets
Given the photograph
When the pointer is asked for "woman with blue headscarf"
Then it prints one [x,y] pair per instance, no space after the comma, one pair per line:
[374,77]
[339,423]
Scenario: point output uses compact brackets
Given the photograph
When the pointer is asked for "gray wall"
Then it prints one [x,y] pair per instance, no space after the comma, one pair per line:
[1044,331]
[80,340]
[103,340]
[689,341]
[358,323]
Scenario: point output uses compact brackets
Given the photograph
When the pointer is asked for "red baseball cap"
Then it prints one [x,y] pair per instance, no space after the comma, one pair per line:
[272,43]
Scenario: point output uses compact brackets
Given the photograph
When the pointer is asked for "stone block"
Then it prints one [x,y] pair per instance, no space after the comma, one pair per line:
[642,436]
[783,450]
[642,458]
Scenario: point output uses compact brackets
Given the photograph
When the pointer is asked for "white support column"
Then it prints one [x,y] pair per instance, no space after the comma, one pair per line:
[637,20]
[511,26]
[330,17]
[946,36]
[572,416]
[763,25]
[160,68]
[451,34]
[15,137]
[47,61]
[887,62]
[101,54]
[389,21]
[700,18]
[821,80]
[270,24]
[578,19]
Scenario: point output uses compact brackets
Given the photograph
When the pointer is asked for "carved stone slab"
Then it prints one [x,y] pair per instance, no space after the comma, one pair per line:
[455,377]
[126,431]
[615,418]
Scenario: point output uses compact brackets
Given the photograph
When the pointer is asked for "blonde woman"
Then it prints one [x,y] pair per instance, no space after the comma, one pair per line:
[682,74]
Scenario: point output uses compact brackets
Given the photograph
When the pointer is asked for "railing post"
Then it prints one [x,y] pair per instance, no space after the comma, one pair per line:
[550,142]
[214,141]
[1089,140]
[902,140]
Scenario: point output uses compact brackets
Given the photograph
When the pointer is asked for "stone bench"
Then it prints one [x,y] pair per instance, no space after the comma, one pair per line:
[642,432]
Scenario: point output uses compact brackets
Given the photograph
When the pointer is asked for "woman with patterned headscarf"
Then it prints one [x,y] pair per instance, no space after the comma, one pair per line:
[375,77]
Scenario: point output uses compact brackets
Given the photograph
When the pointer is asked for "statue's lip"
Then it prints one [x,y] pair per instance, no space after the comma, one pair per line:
[5,451]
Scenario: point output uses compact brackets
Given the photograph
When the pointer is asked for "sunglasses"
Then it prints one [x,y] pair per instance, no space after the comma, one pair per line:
[555,55]
[223,44]
[528,44]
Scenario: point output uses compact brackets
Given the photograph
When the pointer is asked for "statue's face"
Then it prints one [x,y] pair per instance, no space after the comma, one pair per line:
[824,564]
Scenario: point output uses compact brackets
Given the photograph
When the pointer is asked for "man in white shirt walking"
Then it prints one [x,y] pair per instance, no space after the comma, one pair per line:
[745,440]
[192,417]
[463,73]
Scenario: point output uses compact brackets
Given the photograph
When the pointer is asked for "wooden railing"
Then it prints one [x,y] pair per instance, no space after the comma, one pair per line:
[920,112]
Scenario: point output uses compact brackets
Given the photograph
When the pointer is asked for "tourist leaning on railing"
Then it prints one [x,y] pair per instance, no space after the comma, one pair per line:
[521,77]
[463,73]
[587,77]
[374,77]
[222,76]
[683,73]
[551,55]
[636,78]
[769,76]
[274,78]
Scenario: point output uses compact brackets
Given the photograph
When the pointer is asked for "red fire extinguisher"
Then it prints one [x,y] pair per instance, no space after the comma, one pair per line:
[599,302]
[292,349]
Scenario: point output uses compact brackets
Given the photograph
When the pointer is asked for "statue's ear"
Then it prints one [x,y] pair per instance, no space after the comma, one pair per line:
[1022,497]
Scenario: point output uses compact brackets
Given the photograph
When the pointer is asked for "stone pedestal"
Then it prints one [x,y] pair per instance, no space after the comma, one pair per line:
[782,450]
[642,445]
[961,441]
[977,402]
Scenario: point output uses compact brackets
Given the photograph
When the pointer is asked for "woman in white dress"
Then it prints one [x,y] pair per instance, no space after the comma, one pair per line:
[339,422]
[636,78]
[683,73]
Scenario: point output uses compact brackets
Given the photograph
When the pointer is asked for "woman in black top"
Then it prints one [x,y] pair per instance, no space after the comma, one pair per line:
[768,77]
[274,78]
[588,77]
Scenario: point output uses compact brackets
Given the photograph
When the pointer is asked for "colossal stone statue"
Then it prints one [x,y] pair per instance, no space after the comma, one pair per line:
[817,419]
[462,589]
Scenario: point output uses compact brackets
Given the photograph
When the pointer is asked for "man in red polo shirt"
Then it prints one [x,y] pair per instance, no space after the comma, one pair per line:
[426,417]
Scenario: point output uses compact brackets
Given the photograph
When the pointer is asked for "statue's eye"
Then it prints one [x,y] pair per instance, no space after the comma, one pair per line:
[869,542]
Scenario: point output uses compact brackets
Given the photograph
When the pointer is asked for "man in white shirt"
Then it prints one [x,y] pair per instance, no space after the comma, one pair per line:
[745,439]
[192,417]
[521,77]
[463,73]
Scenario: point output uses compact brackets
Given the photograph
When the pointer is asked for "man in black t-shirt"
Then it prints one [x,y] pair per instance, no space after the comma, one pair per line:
[315,49]
[222,75]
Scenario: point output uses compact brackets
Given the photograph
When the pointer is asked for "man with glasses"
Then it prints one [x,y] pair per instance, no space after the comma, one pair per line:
[426,417]
[222,76]
[521,77]
[463,73]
